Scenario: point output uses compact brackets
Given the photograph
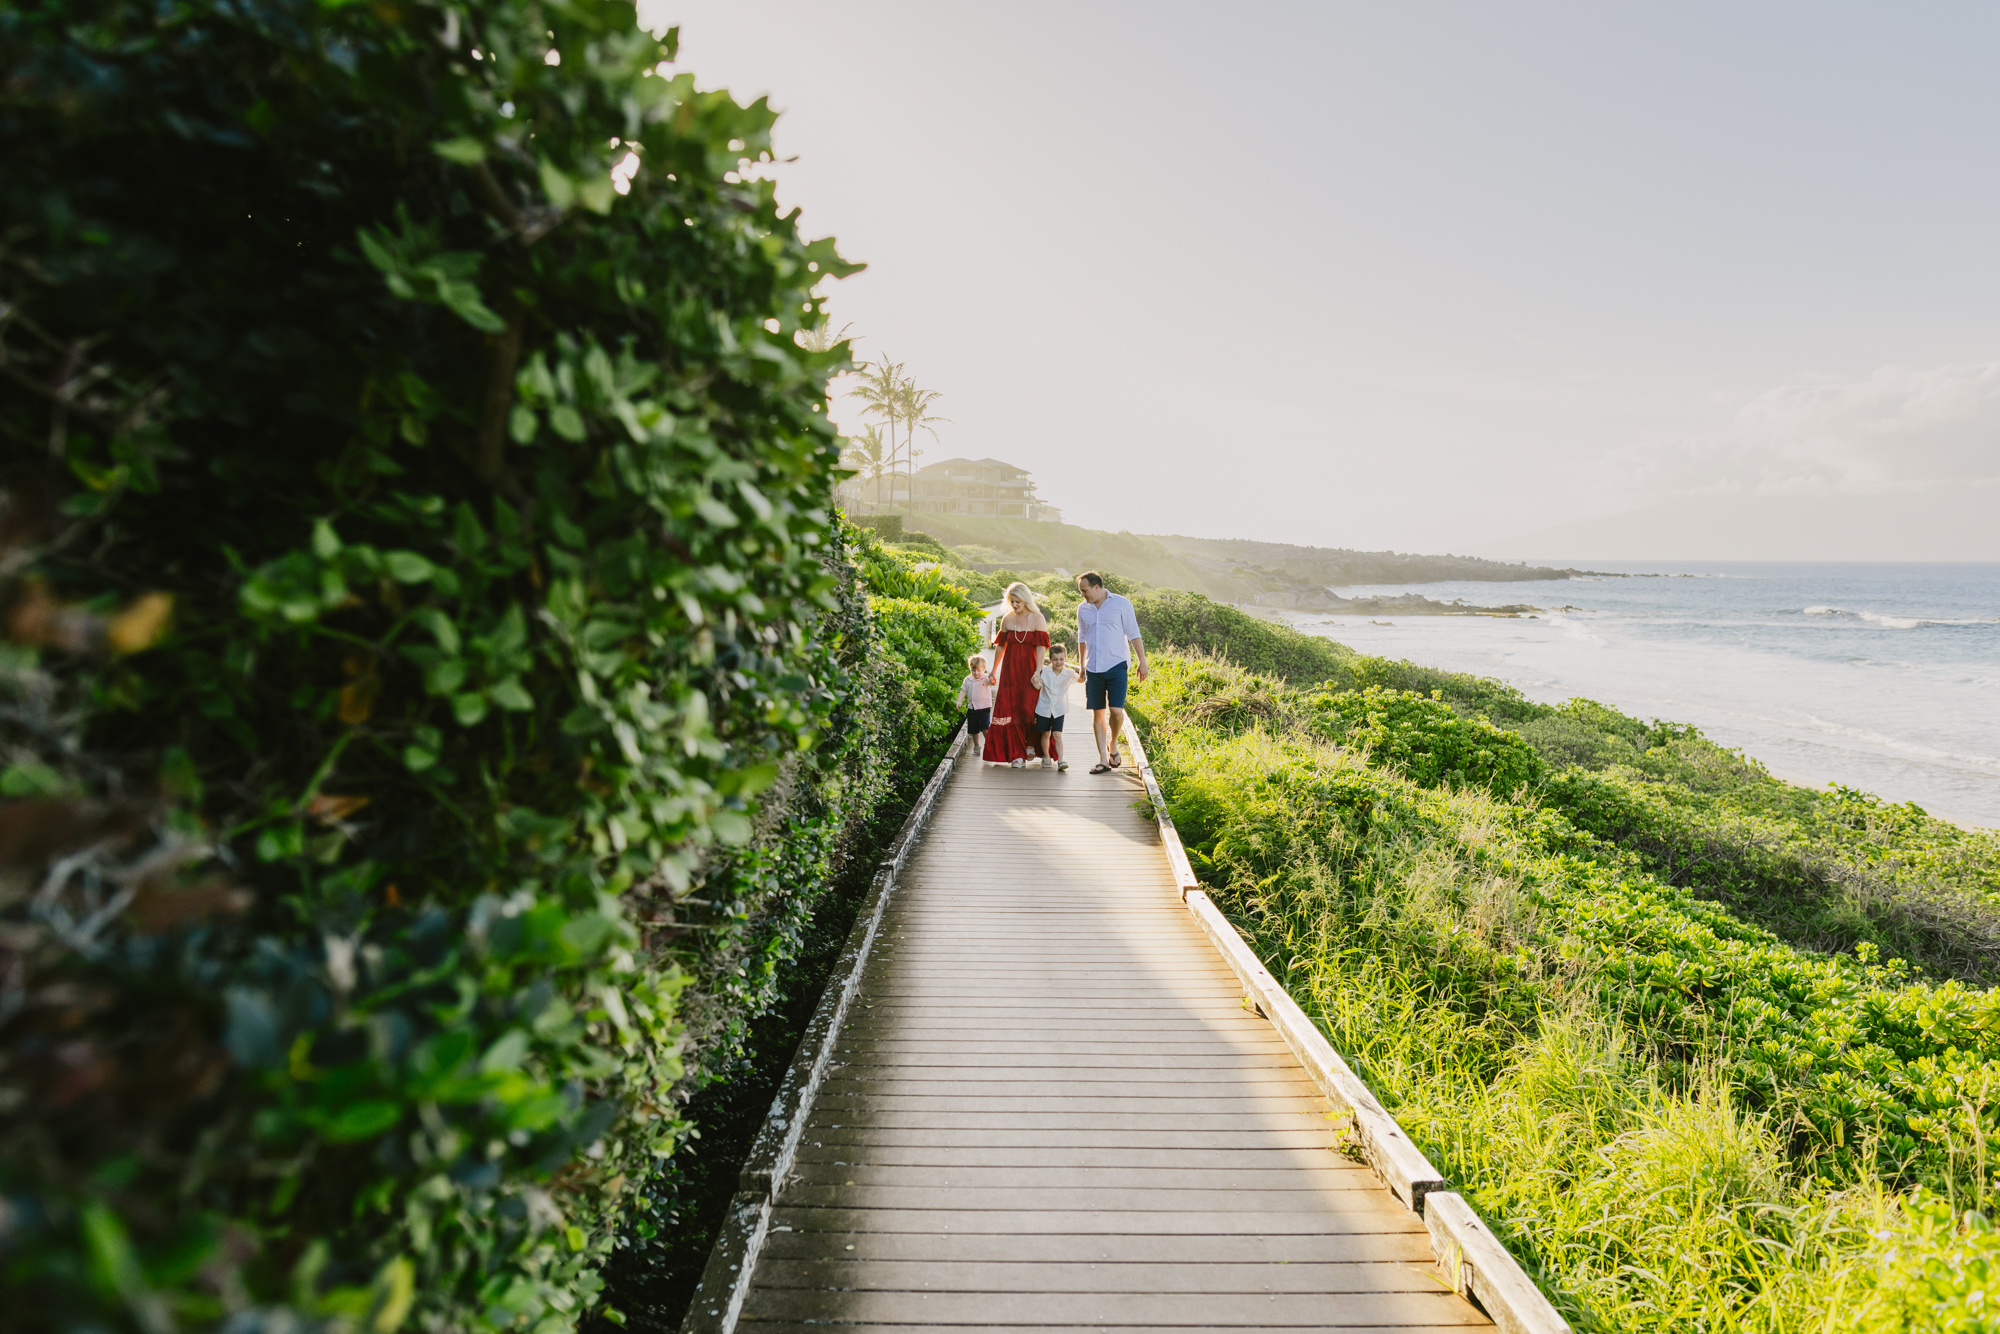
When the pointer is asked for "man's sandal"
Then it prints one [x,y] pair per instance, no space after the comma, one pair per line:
[1100,768]
[1115,761]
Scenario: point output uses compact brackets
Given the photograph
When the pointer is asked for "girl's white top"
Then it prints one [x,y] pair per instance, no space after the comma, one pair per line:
[1054,701]
[977,692]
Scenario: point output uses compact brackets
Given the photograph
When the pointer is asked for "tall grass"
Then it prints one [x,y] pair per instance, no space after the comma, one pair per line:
[1614,1115]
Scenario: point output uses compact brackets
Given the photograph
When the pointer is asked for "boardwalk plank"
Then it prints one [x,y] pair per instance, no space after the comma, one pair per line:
[1274,1250]
[928,1275]
[1435,1308]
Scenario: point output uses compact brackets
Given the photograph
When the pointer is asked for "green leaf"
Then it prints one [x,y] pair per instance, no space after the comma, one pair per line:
[426,745]
[466,531]
[538,1113]
[511,634]
[731,827]
[325,542]
[114,1265]
[568,423]
[523,424]
[377,253]
[597,193]
[510,695]
[463,300]
[469,708]
[442,628]
[463,150]
[444,678]
[407,567]
[363,1120]
[506,1053]
[393,1292]
[560,189]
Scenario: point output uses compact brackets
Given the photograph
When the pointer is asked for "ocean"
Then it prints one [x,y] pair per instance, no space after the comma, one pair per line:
[1884,677]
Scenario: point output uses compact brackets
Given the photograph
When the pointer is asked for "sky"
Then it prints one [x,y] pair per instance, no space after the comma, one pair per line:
[1529,280]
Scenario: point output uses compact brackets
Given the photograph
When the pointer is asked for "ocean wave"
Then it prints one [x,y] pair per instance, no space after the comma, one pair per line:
[1892,622]
[1907,747]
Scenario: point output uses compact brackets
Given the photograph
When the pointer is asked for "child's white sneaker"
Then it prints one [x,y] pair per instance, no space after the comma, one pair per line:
[1061,765]
[1020,764]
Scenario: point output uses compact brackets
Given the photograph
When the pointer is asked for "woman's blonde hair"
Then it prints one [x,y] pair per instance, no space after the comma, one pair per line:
[1017,589]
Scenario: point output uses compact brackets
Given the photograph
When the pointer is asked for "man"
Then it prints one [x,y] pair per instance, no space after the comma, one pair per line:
[1107,640]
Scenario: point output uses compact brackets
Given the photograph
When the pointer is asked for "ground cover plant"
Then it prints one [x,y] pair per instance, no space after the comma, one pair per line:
[436,695]
[1679,1118]
[1829,869]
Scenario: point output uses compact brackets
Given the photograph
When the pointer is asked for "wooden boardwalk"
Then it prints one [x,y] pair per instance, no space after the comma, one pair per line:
[1049,1107]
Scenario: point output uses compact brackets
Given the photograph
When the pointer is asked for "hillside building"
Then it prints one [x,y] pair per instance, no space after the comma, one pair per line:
[986,488]
[983,487]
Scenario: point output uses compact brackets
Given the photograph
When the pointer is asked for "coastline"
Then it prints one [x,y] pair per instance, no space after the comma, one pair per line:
[1796,779]
[1315,622]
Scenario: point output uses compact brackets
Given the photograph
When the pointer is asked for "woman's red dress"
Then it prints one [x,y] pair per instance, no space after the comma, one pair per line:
[1014,695]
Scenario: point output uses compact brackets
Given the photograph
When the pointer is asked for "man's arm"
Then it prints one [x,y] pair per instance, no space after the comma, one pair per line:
[1132,638]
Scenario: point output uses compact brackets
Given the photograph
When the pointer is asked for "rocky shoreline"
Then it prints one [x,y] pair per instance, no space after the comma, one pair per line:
[1401,604]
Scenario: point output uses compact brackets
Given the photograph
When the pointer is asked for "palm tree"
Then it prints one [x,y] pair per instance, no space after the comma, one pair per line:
[913,409]
[868,455]
[880,388]
[822,339]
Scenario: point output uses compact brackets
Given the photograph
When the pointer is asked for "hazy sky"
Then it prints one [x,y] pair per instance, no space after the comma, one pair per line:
[1429,276]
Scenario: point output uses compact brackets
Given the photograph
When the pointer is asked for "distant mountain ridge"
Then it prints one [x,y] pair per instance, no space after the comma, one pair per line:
[1321,567]
[1267,574]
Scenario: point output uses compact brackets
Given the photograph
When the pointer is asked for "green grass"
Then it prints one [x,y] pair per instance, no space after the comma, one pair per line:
[1830,870]
[1677,1117]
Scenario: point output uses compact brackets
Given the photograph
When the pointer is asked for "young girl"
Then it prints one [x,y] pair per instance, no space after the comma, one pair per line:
[976,693]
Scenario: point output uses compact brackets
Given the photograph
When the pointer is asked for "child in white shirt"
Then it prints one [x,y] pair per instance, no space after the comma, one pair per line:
[976,693]
[1052,705]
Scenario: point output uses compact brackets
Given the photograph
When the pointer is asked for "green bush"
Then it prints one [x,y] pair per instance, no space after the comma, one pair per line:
[1423,738]
[1827,870]
[1678,1119]
[1191,621]
[416,569]
[932,642]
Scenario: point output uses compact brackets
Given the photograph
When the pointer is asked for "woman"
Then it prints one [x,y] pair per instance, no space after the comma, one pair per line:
[1023,645]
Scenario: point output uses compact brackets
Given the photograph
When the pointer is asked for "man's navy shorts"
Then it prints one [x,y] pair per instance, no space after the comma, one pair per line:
[1100,687]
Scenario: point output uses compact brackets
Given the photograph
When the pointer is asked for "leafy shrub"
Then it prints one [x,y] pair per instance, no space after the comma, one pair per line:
[913,542]
[1828,870]
[932,642]
[416,571]
[1677,1117]
[1191,621]
[1424,738]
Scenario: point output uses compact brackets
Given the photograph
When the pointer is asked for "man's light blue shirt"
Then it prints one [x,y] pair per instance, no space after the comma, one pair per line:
[1105,632]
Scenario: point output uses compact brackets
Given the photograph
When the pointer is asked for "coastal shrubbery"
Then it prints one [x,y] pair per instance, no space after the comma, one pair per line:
[1679,1118]
[1827,869]
[437,695]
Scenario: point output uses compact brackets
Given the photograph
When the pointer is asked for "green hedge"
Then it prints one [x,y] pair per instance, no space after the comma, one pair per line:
[932,643]
[417,564]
